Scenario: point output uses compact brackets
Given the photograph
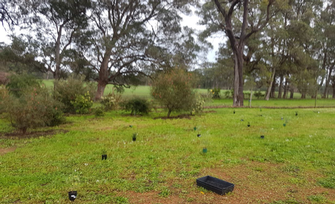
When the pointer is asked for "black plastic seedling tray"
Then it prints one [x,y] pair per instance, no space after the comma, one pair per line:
[216,185]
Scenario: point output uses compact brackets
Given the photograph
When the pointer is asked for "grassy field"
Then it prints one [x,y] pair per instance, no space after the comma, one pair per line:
[294,163]
[144,92]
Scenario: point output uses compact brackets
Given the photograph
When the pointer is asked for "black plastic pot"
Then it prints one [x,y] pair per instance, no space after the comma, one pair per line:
[234,112]
[248,124]
[262,136]
[104,156]
[296,113]
[198,135]
[284,124]
[72,195]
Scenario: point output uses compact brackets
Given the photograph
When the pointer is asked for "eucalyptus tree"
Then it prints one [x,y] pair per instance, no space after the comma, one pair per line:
[9,12]
[54,24]
[126,36]
[325,27]
[239,20]
[305,45]
[20,57]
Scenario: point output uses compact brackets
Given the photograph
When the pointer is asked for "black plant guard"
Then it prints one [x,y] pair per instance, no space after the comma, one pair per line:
[72,195]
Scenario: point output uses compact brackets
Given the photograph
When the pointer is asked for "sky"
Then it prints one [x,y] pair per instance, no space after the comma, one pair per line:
[188,20]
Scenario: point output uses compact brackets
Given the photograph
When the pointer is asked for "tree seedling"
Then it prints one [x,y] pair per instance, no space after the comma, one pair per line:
[73,194]
[104,154]
[134,137]
[195,128]
[204,150]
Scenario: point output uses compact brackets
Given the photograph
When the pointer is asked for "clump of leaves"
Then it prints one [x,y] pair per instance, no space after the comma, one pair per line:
[173,90]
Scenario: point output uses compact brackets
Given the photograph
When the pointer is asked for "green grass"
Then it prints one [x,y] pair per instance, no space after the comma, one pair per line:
[290,162]
[144,92]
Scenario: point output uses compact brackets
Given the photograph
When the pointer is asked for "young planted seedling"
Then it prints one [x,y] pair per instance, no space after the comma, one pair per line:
[195,128]
[204,150]
[74,180]
[134,137]
[104,154]
[248,124]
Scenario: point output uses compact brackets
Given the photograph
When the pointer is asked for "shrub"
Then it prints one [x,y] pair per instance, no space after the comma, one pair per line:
[66,91]
[34,108]
[82,103]
[173,90]
[18,84]
[258,94]
[99,111]
[199,103]
[216,93]
[228,94]
[3,95]
[112,100]
[136,106]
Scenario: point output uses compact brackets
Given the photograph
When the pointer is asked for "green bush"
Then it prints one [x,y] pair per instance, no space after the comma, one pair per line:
[199,102]
[3,95]
[99,111]
[258,94]
[173,90]
[18,84]
[216,93]
[67,90]
[112,100]
[136,106]
[82,103]
[34,108]
[228,94]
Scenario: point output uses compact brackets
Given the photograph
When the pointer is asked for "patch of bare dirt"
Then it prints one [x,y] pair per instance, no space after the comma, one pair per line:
[7,150]
[20,135]
[183,116]
[255,182]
